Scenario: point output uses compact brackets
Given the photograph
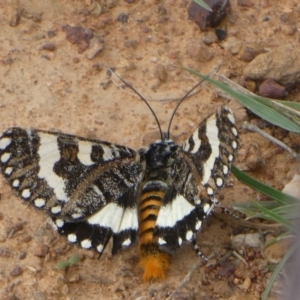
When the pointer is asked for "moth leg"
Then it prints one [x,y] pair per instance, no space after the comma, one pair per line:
[198,251]
[227,211]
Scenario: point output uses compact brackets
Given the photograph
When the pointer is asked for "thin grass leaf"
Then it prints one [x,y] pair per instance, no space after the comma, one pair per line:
[288,211]
[68,263]
[260,108]
[294,105]
[276,272]
[276,218]
[287,234]
[203,4]
[263,188]
[250,206]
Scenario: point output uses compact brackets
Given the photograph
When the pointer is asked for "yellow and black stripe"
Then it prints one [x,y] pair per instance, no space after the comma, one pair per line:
[154,262]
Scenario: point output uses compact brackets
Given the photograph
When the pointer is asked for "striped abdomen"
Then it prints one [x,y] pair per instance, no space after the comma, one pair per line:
[154,262]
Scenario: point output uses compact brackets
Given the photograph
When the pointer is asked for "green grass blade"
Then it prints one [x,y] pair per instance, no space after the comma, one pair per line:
[263,109]
[276,218]
[276,272]
[68,263]
[263,188]
[203,4]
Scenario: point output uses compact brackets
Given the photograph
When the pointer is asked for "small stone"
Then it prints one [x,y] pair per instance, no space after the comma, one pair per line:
[111,3]
[254,158]
[39,295]
[79,36]
[17,270]
[74,278]
[221,34]
[41,250]
[65,290]
[209,38]
[122,17]
[161,73]
[4,252]
[246,284]
[204,18]
[274,252]
[250,85]
[246,3]
[200,52]
[232,44]
[226,269]
[271,89]
[95,48]
[131,43]
[25,238]
[76,60]
[281,64]
[49,47]
[22,255]
[127,65]
[253,240]
[51,33]
[293,187]
[15,228]
[249,51]
[254,163]
[35,17]
[15,19]
[95,9]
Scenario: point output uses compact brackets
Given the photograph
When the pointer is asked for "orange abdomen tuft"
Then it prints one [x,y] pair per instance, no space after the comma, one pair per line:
[155,264]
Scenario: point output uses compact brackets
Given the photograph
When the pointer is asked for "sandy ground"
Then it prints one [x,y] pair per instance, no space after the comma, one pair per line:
[62,90]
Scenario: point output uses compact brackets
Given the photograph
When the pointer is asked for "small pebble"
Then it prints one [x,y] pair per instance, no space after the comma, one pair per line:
[15,19]
[161,73]
[4,252]
[51,33]
[74,278]
[271,89]
[41,250]
[49,47]
[65,290]
[209,38]
[123,18]
[246,284]
[17,270]
[95,9]
[246,3]
[221,34]
[95,48]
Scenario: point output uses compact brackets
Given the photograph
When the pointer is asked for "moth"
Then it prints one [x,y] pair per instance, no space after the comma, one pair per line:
[95,191]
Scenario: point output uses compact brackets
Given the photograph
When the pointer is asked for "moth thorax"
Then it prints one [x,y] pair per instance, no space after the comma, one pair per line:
[160,155]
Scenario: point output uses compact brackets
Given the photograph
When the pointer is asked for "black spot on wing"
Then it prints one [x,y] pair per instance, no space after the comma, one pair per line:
[176,235]
[85,231]
[123,240]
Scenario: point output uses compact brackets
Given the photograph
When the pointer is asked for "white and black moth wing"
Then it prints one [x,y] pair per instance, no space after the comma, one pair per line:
[201,167]
[88,187]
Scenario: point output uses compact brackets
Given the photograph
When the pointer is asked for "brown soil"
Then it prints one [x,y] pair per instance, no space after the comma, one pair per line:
[62,90]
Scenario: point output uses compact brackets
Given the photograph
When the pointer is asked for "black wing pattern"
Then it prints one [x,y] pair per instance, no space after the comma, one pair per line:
[201,167]
[88,187]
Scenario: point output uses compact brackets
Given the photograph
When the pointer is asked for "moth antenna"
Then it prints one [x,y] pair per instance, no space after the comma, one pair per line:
[151,109]
[178,104]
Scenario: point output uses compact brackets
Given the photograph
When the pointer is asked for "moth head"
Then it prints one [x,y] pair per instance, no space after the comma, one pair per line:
[160,154]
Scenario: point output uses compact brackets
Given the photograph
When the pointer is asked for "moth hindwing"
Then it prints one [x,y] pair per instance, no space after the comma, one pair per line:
[95,190]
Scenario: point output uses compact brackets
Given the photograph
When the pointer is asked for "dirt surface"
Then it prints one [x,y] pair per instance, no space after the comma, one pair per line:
[47,84]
